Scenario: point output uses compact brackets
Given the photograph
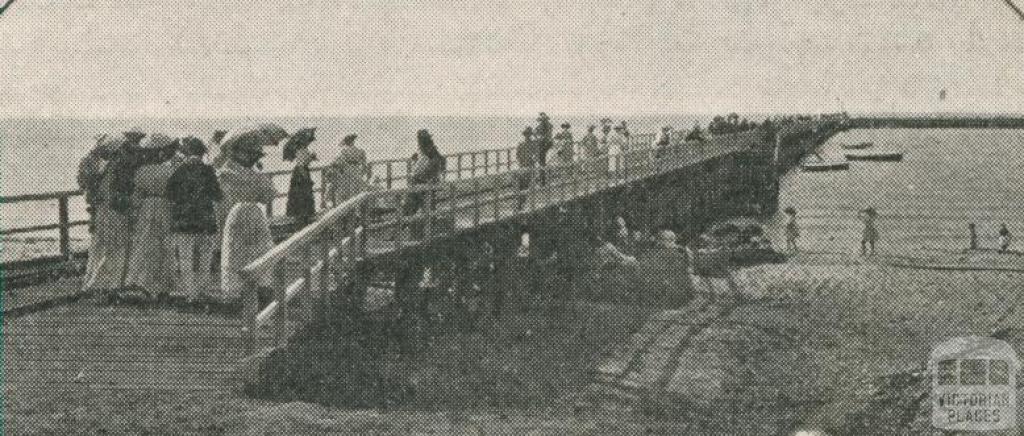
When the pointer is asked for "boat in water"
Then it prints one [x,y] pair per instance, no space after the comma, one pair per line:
[820,164]
[893,156]
[857,146]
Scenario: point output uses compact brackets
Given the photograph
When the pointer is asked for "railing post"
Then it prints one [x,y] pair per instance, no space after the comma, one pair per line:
[459,166]
[270,208]
[250,308]
[496,195]
[65,238]
[487,162]
[476,202]
[472,163]
[508,159]
[390,175]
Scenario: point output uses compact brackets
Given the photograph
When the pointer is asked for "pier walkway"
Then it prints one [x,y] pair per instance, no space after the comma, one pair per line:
[122,347]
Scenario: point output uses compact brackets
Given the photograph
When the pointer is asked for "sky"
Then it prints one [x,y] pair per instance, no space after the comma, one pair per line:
[216,58]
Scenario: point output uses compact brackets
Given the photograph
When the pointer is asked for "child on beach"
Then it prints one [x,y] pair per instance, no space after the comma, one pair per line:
[792,230]
[1004,238]
[870,234]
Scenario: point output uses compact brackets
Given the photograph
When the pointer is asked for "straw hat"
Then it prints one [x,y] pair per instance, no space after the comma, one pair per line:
[349,139]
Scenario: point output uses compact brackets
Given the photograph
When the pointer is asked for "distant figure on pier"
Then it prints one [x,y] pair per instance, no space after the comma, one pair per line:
[222,155]
[545,141]
[526,156]
[193,192]
[348,174]
[972,233]
[150,264]
[792,229]
[662,141]
[590,150]
[244,224]
[564,144]
[301,204]
[1005,238]
[428,170]
[870,234]
[617,145]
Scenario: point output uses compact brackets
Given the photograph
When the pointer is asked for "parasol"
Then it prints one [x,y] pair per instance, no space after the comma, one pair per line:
[263,135]
[299,140]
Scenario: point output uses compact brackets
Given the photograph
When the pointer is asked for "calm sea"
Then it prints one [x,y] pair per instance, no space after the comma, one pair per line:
[948,178]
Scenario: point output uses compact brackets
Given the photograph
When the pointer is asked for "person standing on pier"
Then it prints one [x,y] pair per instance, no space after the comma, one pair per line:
[94,179]
[301,204]
[150,263]
[193,192]
[617,146]
[245,227]
[526,156]
[870,234]
[1004,238]
[589,149]
[543,133]
[427,171]
[563,145]
[347,176]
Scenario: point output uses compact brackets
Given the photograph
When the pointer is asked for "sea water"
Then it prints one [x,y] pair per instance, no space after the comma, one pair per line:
[947,179]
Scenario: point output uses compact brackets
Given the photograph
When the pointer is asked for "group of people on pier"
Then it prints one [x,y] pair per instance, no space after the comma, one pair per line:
[163,218]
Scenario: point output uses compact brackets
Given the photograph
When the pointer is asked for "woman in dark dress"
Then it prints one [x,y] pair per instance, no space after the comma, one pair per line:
[301,203]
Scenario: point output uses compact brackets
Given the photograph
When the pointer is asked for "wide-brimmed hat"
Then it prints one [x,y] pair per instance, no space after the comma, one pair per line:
[591,127]
[423,133]
[789,210]
[566,125]
[666,128]
[618,127]
[542,116]
[870,211]
[528,131]
[349,139]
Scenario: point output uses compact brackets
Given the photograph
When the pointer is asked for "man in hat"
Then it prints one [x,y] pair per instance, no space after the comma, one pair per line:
[617,145]
[543,133]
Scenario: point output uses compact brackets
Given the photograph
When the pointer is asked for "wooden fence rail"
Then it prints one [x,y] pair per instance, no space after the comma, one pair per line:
[350,233]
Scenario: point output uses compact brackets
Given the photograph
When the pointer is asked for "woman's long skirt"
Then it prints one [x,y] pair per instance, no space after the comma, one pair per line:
[246,238]
[108,253]
[150,266]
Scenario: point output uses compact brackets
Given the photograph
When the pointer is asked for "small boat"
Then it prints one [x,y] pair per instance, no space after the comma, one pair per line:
[820,164]
[893,156]
[857,146]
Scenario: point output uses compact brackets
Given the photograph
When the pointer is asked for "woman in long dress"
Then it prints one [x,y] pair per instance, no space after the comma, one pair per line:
[348,173]
[245,228]
[150,265]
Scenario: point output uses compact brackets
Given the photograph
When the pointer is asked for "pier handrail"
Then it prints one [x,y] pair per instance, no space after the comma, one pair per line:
[327,249]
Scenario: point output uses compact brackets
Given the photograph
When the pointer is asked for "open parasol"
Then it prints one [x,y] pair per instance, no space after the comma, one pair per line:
[300,139]
[263,135]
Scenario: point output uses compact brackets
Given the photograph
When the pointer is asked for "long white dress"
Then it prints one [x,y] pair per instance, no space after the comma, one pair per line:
[150,266]
[245,228]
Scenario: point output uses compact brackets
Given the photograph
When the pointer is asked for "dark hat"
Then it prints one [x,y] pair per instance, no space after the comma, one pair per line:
[591,127]
[423,133]
[542,116]
[297,141]
[790,210]
[191,146]
[349,139]
[218,135]
[528,131]
[619,127]
[566,125]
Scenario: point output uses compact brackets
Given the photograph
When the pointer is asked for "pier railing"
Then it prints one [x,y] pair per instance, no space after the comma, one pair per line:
[324,257]
[387,174]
